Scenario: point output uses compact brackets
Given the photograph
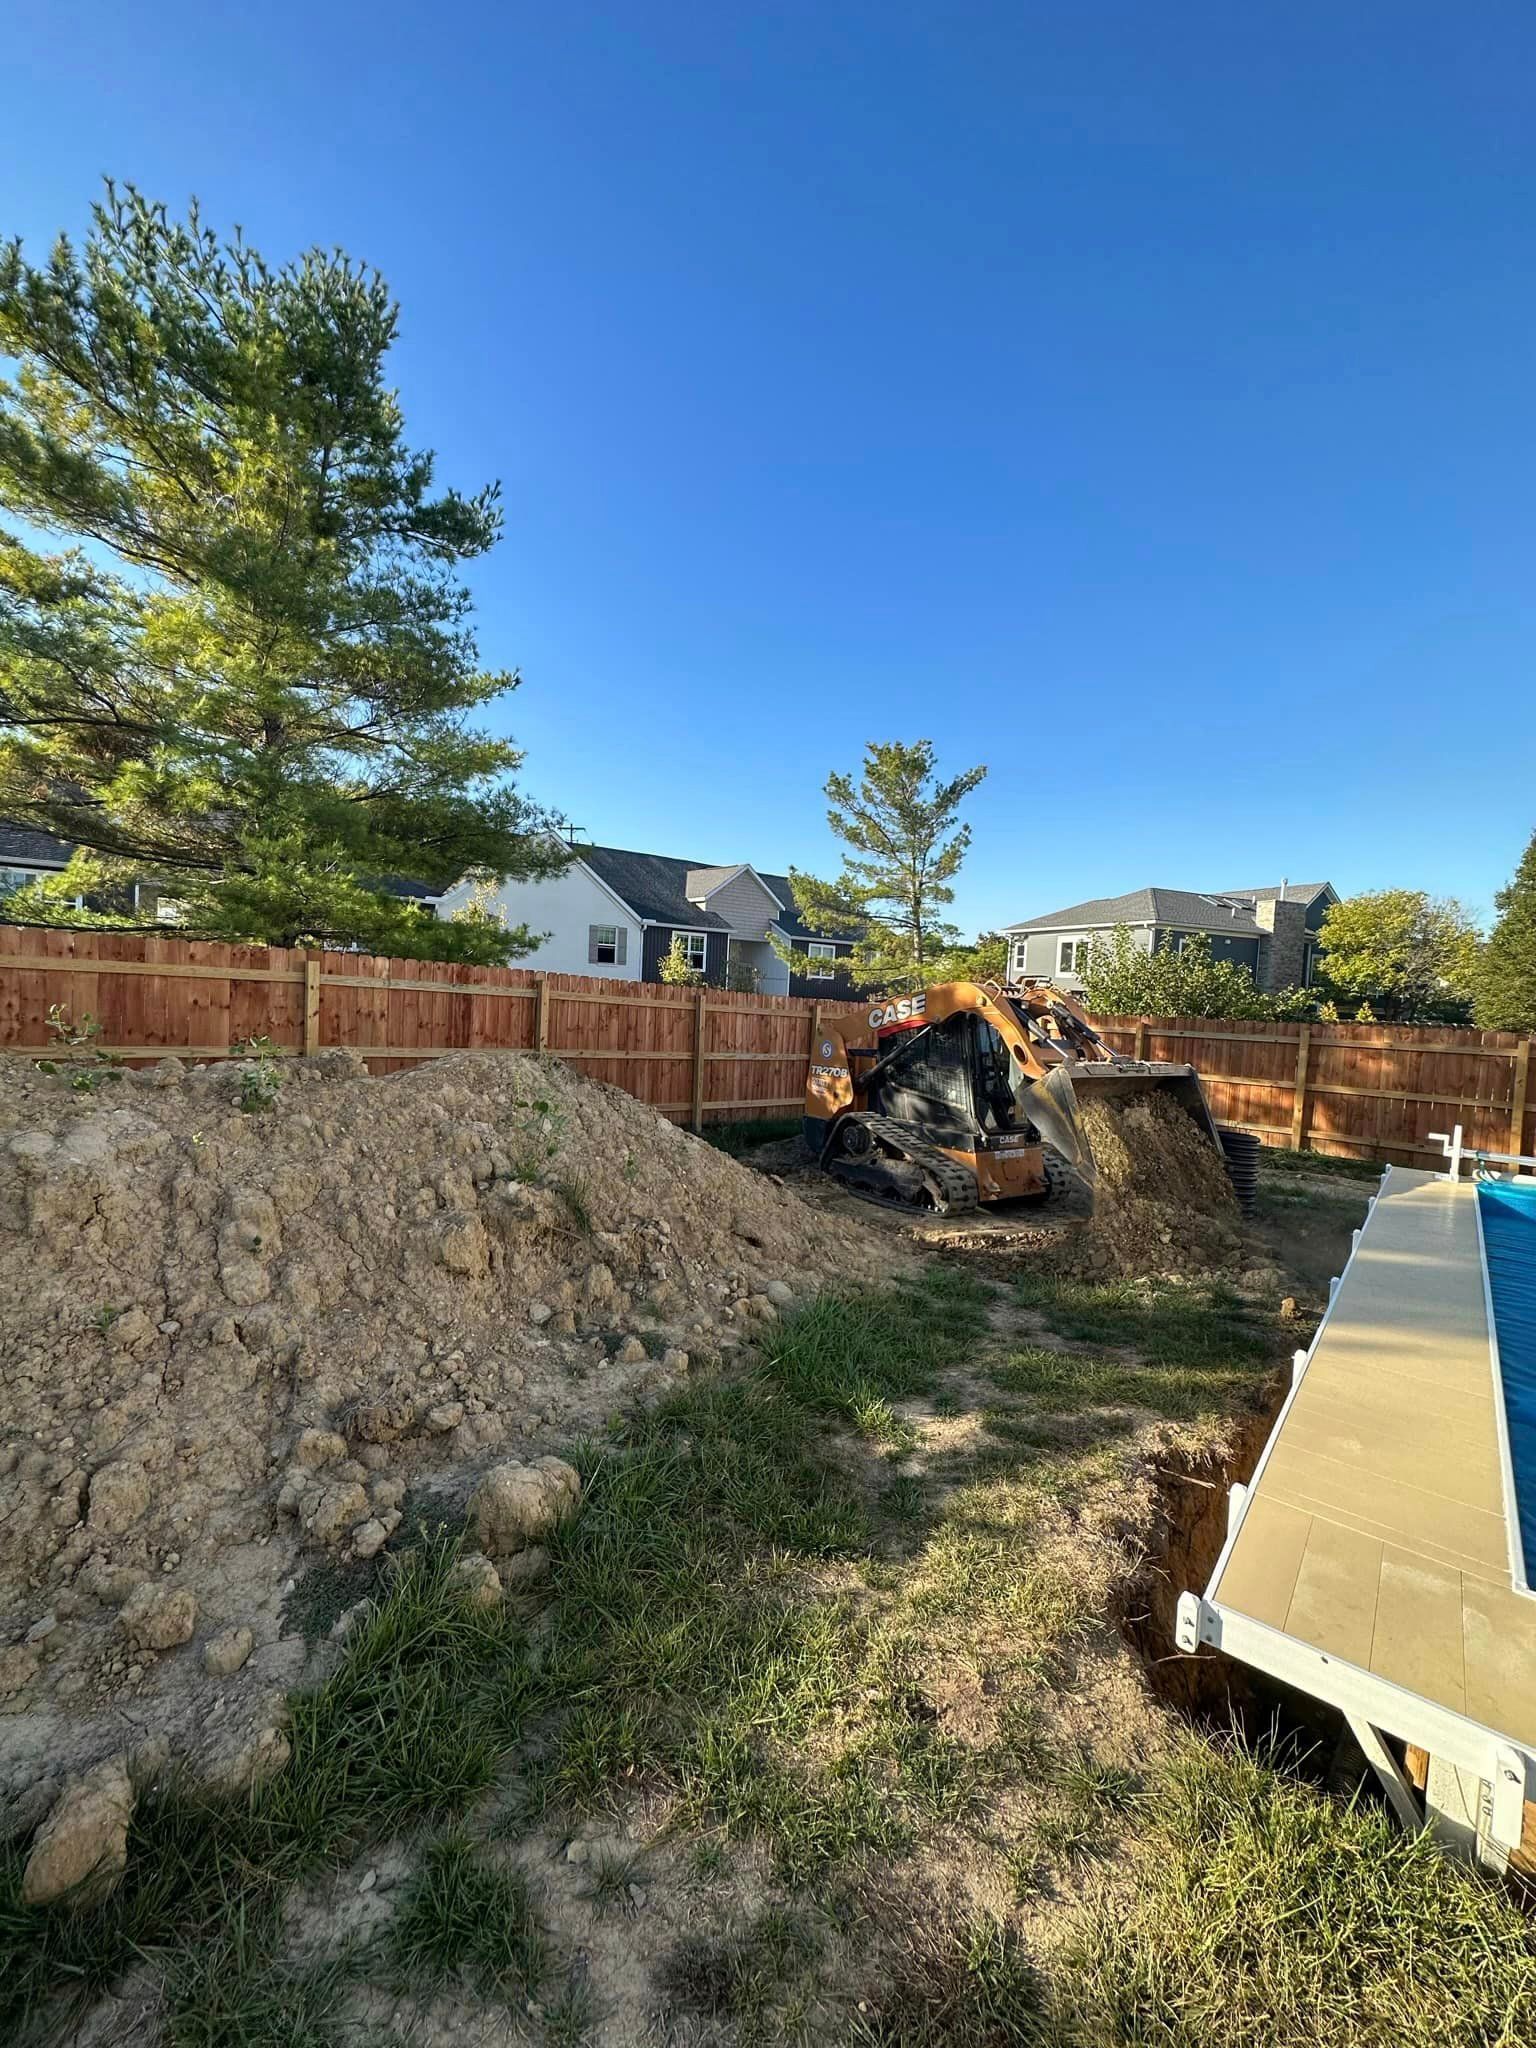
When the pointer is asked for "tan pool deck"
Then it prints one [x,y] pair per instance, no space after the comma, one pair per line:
[1375,1526]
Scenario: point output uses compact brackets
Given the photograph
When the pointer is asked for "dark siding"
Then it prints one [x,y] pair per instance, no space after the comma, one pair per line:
[1241,947]
[1318,912]
[840,990]
[658,943]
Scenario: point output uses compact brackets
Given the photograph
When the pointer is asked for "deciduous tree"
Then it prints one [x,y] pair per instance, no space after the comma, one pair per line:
[248,676]
[1411,957]
[1123,979]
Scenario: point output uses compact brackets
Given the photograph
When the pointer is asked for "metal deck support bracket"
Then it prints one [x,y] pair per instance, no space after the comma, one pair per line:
[1298,1367]
[1508,1815]
[1237,1500]
[1189,1623]
[1401,1796]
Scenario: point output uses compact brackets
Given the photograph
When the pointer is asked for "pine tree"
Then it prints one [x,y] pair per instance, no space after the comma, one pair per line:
[906,844]
[1506,986]
[246,679]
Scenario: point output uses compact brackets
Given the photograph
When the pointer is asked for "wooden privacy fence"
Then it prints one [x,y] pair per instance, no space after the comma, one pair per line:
[1363,1091]
[698,1054]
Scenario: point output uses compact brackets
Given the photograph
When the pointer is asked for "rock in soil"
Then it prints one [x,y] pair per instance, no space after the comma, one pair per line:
[82,1847]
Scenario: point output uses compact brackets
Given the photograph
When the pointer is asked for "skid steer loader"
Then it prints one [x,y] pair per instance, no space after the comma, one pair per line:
[950,1098]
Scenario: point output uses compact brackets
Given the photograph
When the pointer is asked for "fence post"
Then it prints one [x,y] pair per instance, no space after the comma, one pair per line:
[1299,1089]
[1517,1098]
[312,962]
[696,1122]
[1139,1044]
[541,1014]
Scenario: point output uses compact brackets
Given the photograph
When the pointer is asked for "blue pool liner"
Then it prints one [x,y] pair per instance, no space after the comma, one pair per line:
[1508,1212]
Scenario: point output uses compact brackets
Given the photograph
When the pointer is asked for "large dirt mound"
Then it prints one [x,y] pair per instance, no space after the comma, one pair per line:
[228,1339]
[1162,1202]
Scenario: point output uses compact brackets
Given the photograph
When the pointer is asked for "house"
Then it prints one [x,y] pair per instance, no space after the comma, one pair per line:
[27,855]
[1271,931]
[615,913]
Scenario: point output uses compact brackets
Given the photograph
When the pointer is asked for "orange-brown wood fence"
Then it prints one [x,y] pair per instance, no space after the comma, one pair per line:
[697,1054]
[1360,1091]
[1369,1091]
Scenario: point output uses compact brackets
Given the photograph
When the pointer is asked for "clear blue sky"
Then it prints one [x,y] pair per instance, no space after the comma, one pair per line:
[1137,399]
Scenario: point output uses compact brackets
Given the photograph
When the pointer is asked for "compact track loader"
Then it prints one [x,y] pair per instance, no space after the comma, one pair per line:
[950,1098]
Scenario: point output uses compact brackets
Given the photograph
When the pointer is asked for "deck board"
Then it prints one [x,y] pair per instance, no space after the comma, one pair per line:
[1376,1529]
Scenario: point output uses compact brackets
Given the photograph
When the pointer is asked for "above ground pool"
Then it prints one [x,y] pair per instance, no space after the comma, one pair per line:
[1508,1211]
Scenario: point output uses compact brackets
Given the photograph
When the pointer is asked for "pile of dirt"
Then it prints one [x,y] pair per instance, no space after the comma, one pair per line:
[230,1343]
[1162,1201]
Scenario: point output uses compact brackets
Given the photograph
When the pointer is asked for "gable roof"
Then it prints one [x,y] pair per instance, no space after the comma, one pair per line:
[656,887]
[653,885]
[25,845]
[1225,910]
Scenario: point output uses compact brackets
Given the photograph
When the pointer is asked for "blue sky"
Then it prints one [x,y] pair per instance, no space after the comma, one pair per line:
[1139,400]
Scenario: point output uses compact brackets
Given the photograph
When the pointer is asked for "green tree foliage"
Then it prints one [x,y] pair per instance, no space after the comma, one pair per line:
[901,826]
[675,967]
[1407,956]
[986,960]
[248,676]
[1506,981]
[1123,979]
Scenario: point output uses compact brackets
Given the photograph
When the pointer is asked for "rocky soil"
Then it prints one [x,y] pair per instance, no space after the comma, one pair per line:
[233,1344]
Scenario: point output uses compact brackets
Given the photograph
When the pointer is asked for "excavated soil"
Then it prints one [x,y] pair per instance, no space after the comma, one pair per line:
[1162,1201]
[231,1343]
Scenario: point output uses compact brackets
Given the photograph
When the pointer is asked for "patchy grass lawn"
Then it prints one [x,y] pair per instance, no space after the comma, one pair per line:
[830,1651]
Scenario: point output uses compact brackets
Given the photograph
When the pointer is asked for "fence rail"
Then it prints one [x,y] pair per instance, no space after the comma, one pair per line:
[1354,1090]
[693,1053]
[1363,1091]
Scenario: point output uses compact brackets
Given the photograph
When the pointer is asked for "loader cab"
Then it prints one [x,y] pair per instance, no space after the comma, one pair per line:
[956,1078]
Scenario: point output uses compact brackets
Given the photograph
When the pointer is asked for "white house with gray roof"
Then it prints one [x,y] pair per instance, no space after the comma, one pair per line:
[1272,931]
[615,913]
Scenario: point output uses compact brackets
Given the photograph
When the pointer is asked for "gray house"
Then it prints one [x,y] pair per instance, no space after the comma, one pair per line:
[1272,931]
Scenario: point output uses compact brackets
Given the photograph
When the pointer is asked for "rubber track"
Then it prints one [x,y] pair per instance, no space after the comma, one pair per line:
[958,1185]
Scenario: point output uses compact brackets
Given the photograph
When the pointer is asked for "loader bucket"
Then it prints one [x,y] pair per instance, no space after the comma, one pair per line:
[1051,1106]
[1114,1080]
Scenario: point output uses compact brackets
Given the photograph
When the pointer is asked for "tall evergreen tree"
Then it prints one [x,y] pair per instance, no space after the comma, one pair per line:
[248,676]
[1506,983]
[901,826]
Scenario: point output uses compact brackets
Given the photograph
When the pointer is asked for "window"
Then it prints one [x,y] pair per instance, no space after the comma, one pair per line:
[820,950]
[692,944]
[1018,959]
[606,944]
[169,911]
[1071,956]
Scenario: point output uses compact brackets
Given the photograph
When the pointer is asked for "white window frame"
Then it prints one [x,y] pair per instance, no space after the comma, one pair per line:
[700,964]
[607,950]
[819,949]
[1018,958]
[1077,941]
[29,875]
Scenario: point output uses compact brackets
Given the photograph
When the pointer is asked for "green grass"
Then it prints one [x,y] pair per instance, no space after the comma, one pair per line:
[686,1641]
[1259,1914]
[609,1877]
[429,1699]
[741,1138]
[1281,1159]
[463,1918]
[966,1985]
[745,1978]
